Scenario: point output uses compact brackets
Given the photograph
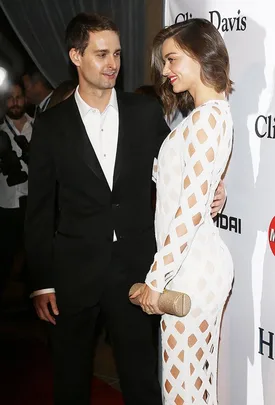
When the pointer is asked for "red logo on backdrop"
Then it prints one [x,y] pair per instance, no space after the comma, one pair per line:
[271,235]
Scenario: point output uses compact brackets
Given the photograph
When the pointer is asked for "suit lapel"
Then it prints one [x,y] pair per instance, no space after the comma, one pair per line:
[123,130]
[83,145]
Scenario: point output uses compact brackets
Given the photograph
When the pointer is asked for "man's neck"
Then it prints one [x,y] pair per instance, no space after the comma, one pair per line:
[95,98]
[19,124]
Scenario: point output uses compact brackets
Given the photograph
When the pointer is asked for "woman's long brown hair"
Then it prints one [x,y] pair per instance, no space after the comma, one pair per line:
[201,41]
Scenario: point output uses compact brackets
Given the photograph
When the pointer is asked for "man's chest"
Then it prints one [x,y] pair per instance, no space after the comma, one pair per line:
[127,150]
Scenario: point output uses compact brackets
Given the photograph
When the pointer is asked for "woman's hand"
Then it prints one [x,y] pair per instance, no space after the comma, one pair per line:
[149,301]
[137,293]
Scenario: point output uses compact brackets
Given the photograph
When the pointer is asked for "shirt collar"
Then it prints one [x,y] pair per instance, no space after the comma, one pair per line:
[29,119]
[44,102]
[84,108]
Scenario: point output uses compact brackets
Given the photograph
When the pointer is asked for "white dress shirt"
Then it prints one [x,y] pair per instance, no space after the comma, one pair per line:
[102,130]
[44,103]
[9,196]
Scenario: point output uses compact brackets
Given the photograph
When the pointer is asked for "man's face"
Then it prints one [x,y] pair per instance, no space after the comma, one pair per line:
[99,66]
[16,105]
[31,90]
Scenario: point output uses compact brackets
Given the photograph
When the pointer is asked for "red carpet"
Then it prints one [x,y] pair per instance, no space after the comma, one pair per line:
[25,377]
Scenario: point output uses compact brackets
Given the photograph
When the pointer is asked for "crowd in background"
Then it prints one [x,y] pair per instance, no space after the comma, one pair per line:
[25,100]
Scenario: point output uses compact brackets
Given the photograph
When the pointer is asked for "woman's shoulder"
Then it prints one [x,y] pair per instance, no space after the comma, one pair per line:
[210,111]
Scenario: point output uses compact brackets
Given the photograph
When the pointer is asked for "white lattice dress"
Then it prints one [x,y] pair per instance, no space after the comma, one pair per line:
[191,256]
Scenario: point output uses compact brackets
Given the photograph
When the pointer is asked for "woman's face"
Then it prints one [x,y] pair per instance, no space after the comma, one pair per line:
[181,70]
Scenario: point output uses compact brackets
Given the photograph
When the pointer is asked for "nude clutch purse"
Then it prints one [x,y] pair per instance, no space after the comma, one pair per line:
[170,302]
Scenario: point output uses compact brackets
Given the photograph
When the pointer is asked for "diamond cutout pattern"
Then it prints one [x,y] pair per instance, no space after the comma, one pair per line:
[192,340]
[190,163]
[199,354]
[175,372]
[181,356]
[180,327]
[179,400]
[172,342]
[168,386]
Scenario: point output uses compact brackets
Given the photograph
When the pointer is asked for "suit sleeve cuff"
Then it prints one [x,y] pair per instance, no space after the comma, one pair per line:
[44,291]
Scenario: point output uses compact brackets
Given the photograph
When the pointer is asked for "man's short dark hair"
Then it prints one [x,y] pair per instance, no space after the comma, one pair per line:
[79,28]
[36,76]
[20,84]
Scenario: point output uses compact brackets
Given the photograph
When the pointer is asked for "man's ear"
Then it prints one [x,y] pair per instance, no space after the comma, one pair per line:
[75,56]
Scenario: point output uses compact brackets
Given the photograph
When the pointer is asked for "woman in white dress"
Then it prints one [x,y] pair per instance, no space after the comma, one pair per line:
[191,69]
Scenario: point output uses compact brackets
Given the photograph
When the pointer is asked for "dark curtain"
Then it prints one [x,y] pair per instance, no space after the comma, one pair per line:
[40,26]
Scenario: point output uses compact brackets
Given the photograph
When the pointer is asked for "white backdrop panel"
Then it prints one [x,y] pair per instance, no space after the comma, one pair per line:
[245,375]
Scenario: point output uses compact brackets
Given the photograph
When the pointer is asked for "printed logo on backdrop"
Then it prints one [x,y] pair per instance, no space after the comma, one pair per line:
[221,22]
[265,126]
[271,235]
[229,223]
[266,343]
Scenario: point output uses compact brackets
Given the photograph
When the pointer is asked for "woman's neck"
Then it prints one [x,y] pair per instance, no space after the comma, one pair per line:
[202,94]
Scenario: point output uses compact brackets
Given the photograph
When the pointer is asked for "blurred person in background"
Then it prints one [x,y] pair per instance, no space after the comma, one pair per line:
[38,90]
[62,92]
[15,135]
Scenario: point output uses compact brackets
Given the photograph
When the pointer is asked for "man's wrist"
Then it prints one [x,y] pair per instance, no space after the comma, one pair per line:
[43,291]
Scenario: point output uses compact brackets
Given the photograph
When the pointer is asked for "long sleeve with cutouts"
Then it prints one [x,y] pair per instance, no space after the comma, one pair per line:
[201,134]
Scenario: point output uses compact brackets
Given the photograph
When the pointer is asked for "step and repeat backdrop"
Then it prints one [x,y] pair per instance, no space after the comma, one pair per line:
[247,348]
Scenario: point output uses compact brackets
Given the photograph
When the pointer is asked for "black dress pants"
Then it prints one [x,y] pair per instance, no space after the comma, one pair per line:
[11,239]
[133,340]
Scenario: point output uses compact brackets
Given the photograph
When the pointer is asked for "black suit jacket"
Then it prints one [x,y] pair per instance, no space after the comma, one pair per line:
[69,249]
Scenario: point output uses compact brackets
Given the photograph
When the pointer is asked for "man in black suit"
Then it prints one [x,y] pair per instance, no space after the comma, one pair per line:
[98,146]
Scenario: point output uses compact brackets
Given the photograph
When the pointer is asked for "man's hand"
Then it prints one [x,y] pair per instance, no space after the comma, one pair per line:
[42,303]
[219,199]
[149,301]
